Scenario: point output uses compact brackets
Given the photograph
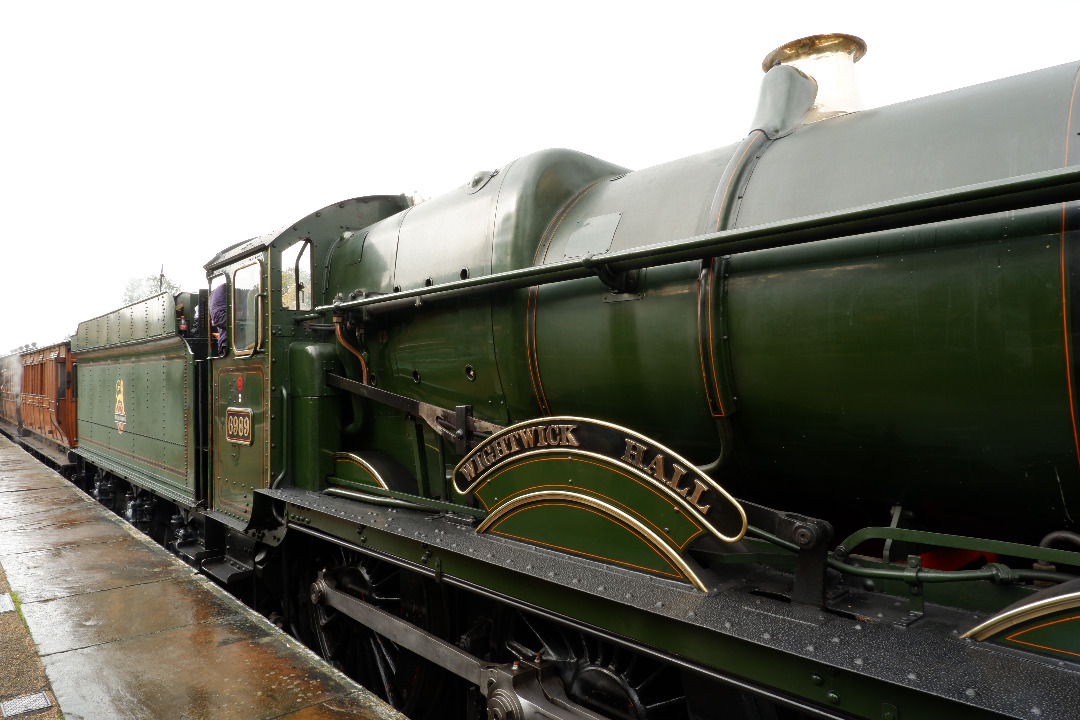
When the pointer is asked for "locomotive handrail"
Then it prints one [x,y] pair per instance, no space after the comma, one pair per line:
[1024,191]
[960,542]
[994,572]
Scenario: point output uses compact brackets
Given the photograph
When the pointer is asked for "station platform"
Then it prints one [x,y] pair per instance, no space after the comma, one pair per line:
[98,621]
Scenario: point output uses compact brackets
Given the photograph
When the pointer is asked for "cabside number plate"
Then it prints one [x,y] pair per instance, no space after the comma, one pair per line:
[238,426]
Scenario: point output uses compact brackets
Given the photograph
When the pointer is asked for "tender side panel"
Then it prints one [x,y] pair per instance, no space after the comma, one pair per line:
[150,318]
[136,415]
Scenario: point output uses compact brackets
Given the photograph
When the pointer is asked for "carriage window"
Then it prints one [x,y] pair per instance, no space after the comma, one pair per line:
[296,276]
[247,321]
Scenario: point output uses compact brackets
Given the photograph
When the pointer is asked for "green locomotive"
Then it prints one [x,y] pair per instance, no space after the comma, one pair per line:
[783,430]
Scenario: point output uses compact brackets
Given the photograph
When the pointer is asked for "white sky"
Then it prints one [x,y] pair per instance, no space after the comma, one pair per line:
[140,134]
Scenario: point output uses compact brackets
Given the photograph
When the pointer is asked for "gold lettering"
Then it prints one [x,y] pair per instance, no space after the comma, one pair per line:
[568,437]
[512,439]
[633,453]
[469,470]
[553,434]
[695,499]
[656,467]
[541,441]
[501,448]
[528,437]
[488,456]
[676,475]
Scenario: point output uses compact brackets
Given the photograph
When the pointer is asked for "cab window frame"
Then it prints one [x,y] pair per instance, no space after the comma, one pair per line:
[244,285]
[302,299]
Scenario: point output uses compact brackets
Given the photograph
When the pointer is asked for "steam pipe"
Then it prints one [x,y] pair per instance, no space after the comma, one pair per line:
[350,348]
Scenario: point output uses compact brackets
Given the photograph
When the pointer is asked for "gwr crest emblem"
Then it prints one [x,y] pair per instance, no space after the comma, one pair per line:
[121,417]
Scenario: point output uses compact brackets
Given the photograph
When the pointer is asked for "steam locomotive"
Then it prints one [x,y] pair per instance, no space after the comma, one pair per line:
[784,430]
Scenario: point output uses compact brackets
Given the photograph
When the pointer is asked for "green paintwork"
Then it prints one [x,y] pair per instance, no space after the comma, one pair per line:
[282,381]
[142,321]
[582,530]
[912,344]
[1056,635]
[316,412]
[348,471]
[623,360]
[239,468]
[924,366]
[134,356]
[569,522]
[597,477]
[889,355]
[239,381]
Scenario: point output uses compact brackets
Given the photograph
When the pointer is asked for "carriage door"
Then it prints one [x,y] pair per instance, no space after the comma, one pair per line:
[240,404]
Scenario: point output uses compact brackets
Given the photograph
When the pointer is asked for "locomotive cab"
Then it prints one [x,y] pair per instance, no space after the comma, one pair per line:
[267,344]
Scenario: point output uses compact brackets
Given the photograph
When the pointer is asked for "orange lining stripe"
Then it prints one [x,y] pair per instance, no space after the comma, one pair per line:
[724,203]
[712,350]
[534,300]
[629,510]
[1043,647]
[237,507]
[147,461]
[578,552]
[1064,303]
[645,485]
[701,349]
[365,468]
[145,361]
[1065,337]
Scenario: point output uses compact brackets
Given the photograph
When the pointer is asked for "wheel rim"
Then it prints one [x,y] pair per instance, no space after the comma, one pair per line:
[597,674]
[404,680]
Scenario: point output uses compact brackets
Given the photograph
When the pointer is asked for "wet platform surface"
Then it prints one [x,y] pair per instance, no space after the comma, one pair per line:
[116,627]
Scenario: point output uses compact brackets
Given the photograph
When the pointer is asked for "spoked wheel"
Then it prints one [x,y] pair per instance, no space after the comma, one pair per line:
[406,681]
[596,674]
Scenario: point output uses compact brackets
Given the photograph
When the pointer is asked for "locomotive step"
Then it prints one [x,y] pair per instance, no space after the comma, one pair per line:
[227,570]
[193,553]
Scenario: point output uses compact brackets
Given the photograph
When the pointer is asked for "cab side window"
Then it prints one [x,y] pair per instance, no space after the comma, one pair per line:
[247,320]
[296,276]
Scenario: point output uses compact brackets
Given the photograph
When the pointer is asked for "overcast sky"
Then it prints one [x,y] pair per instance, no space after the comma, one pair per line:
[142,134]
